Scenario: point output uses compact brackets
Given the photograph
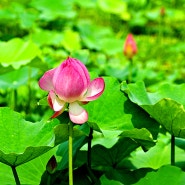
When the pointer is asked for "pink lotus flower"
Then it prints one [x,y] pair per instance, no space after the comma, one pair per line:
[70,85]
[162,11]
[130,47]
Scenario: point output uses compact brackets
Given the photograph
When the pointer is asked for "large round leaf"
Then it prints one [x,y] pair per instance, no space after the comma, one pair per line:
[115,7]
[17,52]
[92,34]
[16,78]
[47,37]
[50,11]
[22,141]
[113,111]
[105,181]
[29,173]
[157,156]
[104,158]
[170,175]
[166,105]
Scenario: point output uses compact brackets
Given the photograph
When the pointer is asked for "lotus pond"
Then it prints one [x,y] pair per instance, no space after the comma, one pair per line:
[92,92]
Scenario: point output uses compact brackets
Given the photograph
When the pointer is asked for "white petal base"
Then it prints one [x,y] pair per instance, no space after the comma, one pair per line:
[77,114]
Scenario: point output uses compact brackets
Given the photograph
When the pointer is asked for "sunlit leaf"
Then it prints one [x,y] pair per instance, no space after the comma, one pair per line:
[50,10]
[140,136]
[166,105]
[92,34]
[47,37]
[29,173]
[110,6]
[105,181]
[111,46]
[113,111]
[82,55]
[17,52]
[25,17]
[21,140]
[71,40]
[86,4]
[170,175]
[157,156]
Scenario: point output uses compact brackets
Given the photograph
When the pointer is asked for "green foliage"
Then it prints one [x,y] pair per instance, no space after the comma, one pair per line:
[166,106]
[166,174]
[17,78]
[24,140]
[50,11]
[29,173]
[114,112]
[131,122]
[16,53]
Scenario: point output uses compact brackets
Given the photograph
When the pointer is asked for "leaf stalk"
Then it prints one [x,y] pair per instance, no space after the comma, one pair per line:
[172,150]
[15,175]
[70,155]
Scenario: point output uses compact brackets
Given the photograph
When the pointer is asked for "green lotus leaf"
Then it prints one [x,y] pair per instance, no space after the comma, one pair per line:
[16,78]
[47,37]
[105,158]
[50,11]
[157,156]
[17,52]
[116,7]
[22,141]
[114,112]
[141,136]
[92,34]
[105,181]
[170,175]
[166,105]
[29,173]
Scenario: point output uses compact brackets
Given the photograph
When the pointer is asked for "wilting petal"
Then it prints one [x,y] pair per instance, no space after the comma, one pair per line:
[77,114]
[45,81]
[95,89]
[55,103]
[71,80]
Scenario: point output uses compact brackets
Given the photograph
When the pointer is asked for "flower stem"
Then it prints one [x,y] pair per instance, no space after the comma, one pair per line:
[13,99]
[70,146]
[172,150]
[15,175]
[130,70]
[49,179]
[90,172]
[29,89]
[89,148]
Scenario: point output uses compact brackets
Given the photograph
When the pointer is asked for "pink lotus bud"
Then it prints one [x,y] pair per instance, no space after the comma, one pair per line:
[162,11]
[51,165]
[69,84]
[130,47]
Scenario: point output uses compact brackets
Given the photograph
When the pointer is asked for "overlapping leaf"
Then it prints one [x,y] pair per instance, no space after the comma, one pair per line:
[157,156]
[170,175]
[29,173]
[22,141]
[166,105]
[50,10]
[113,111]
[16,78]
